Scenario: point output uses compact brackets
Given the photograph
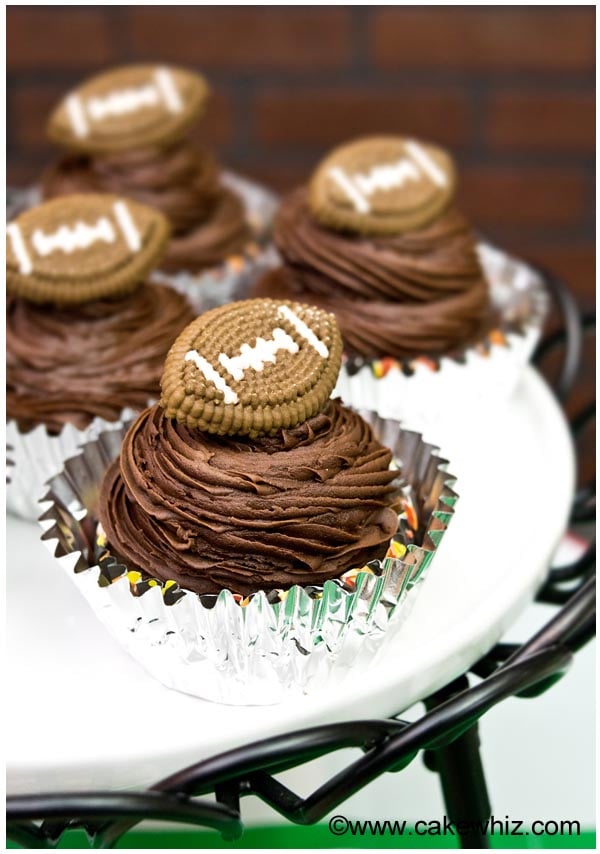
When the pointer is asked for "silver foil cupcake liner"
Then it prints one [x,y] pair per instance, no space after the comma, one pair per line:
[426,391]
[227,281]
[19,199]
[268,646]
[33,457]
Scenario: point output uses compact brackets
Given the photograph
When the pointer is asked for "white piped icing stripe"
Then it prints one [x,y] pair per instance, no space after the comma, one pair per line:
[168,90]
[122,101]
[77,116]
[79,236]
[162,88]
[257,356]
[386,177]
[18,245]
[127,226]
[360,186]
[427,164]
[346,184]
[303,330]
[211,375]
[68,239]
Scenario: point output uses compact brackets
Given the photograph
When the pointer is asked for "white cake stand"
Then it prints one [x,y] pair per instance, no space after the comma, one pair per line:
[82,715]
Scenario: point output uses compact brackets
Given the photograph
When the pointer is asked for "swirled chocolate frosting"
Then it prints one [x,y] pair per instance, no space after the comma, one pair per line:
[69,365]
[208,220]
[226,512]
[420,292]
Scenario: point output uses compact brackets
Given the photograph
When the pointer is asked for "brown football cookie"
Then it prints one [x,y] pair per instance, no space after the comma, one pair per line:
[80,248]
[136,106]
[382,185]
[251,368]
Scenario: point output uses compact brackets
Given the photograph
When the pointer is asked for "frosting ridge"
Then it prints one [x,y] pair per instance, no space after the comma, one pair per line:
[401,295]
[214,512]
[69,365]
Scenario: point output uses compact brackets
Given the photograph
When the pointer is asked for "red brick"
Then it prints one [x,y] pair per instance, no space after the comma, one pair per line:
[30,109]
[23,171]
[330,116]
[32,105]
[278,177]
[574,264]
[556,121]
[548,39]
[217,125]
[39,38]
[246,38]
[522,196]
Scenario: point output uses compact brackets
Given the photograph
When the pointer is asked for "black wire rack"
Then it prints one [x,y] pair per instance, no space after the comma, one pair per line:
[446,734]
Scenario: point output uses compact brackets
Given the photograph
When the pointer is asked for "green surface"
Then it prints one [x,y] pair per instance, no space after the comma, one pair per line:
[318,836]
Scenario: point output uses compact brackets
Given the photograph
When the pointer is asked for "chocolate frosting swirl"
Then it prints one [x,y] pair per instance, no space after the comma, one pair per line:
[207,219]
[69,365]
[420,292]
[227,512]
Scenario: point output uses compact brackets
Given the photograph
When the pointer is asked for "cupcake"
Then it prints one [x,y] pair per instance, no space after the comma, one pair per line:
[249,478]
[86,336]
[269,518]
[126,131]
[377,239]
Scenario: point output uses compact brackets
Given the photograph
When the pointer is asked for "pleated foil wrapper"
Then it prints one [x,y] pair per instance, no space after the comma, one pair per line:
[428,391]
[218,285]
[33,457]
[269,646]
[19,199]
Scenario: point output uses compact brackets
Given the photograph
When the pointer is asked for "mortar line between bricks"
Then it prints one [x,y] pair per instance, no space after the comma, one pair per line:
[360,27]
[282,155]
[559,236]
[244,124]
[575,161]
[346,76]
[120,31]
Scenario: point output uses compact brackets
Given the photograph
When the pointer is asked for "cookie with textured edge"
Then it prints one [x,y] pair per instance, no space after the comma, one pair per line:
[253,367]
[136,106]
[80,248]
[382,185]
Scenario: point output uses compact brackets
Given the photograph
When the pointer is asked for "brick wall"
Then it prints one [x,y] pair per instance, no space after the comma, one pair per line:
[509,89]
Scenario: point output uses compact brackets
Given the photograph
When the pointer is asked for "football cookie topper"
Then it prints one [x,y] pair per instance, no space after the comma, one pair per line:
[137,106]
[80,248]
[382,185]
[253,367]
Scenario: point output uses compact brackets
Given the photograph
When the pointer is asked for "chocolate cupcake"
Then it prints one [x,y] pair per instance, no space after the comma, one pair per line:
[263,530]
[126,132]
[281,487]
[377,239]
[208,222]
[422,292]
[86,336]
